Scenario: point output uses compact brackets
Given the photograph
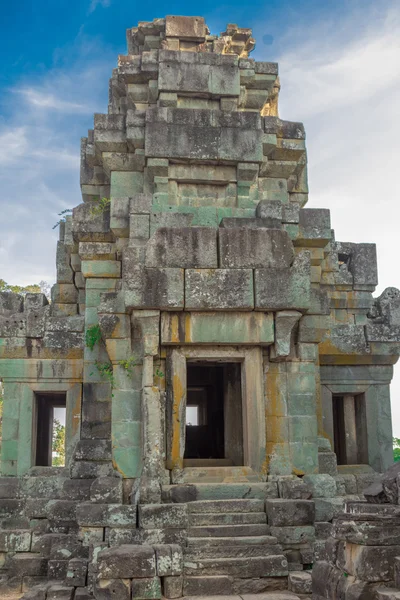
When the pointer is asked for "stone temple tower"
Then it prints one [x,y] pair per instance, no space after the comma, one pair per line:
[222,363]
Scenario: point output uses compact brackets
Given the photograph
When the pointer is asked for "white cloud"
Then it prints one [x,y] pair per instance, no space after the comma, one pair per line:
[13,144]
[41,99]
[40,135]
[95,3]
[345,87]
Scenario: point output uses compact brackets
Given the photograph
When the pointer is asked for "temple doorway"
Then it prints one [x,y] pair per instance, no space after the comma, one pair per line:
[214,419]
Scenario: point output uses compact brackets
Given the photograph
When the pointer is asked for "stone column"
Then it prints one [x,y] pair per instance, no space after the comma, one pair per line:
[176,408]
[350,429]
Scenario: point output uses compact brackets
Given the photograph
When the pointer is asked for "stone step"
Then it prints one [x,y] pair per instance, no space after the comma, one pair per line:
[202,552]
[207,462]
[257,540]
[267,566]
[228,530]
[190,492]
[229,506]
[227,518]
[220,589]
[228,474]
[217,585]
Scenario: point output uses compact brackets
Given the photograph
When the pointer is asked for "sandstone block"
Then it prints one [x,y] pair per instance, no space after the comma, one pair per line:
[183,247]
[152,288]
[148,588]
[77,572]
[284,288]
[219,289]
[300,582]
[217,327]
[282,513]
[321,485]
[371,563]
[254,248]
[172,586]
[207,585]
[185,28]
[127,562]
[294,489]
[112,589]
[155,516]
[303,534]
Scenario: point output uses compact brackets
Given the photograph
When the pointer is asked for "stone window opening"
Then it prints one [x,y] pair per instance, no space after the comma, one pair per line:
[49,412]
[344,259]
[350,429]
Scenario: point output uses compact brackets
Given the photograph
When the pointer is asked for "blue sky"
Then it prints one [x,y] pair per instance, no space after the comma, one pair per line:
[340,74]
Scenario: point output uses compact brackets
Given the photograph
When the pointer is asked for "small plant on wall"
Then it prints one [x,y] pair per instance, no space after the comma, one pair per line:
[106,372]
[63,214]
[100,206]
[128,364]
[93,336]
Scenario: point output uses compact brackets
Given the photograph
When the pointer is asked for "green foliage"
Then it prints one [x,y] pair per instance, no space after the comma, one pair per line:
[128,364]
[100,206]
[106,371]
[19,289]
[63,214]
[396,449]
[159,373]
[93,336]
[58,445]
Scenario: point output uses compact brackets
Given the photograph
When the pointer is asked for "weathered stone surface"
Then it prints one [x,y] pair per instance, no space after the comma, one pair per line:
[152,288]
[154,516]
[302,534]
[322,486]
[221,327]
[183,247]
[203,134]
[147,588]
[172,586]
[112,589]
[282,513]
[390,484]
[284,288]
[300,582]
[254,248]
[190,28]
[126,562]
[371,563]
[198,72]
[77,572]
[294,489]
[380,532]
[219,289]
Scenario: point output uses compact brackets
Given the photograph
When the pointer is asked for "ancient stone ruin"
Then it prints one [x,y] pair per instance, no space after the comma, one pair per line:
[222,365]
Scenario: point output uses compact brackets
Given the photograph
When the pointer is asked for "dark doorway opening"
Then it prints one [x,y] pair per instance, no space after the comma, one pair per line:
[350,429]
[50,417]
[214,423]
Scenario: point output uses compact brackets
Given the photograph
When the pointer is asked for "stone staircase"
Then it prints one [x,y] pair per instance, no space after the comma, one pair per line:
[228,544]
